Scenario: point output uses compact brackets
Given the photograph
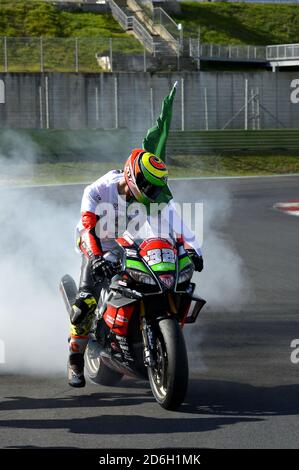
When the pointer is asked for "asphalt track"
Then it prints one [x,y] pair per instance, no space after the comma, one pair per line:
[247,395]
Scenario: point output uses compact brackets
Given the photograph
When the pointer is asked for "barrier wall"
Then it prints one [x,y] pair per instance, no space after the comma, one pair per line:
[204,101]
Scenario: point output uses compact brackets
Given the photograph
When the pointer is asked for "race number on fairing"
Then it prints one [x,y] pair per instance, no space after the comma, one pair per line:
[157,256]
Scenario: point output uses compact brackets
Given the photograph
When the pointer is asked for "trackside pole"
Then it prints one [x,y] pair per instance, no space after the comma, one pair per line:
[47,103]
[152,106]
[97,103]
[246,105]
[5,55]
[116,101]
[206,110]
[183,103]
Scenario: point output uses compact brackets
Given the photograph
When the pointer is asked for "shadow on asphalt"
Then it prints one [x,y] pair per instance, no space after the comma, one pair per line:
[93,400]
[211,397]
[232,402]
[116,424]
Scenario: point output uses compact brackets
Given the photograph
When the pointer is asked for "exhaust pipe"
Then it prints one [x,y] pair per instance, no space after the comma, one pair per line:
[69,291]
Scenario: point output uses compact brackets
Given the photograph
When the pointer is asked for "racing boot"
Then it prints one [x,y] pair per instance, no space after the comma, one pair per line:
[81,319]
[76,370]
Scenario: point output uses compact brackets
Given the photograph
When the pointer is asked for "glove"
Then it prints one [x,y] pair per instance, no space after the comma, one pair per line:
[196,259]
[101,268]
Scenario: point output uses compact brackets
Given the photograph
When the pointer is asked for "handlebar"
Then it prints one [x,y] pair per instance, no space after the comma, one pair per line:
[130,293]
[126,291]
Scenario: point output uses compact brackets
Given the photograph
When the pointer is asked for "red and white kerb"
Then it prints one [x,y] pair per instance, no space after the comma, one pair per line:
[289,207]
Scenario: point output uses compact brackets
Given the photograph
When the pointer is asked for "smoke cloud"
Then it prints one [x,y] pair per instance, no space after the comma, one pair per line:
[223,283]
[37,248]
[17,152]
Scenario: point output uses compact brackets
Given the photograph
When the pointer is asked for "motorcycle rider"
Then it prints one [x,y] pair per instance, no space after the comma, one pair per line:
[144,180]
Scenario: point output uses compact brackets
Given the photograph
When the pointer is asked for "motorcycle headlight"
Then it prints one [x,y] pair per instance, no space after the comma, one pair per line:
[141,277]
[186,274]
[167,279]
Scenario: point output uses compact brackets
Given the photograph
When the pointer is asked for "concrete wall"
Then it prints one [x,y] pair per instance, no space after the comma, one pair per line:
[133,100]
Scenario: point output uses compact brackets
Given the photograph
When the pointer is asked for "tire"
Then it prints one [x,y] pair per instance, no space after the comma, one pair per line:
[169,380]
[97,371]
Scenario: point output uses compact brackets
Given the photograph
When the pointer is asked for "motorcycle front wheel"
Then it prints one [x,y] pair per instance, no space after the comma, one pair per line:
[169,378]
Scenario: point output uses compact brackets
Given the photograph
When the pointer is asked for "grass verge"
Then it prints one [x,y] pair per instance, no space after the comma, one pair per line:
[179,167]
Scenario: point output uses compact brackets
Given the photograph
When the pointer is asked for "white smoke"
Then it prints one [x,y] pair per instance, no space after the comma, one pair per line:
[36,249]
[18,153]
[224,282]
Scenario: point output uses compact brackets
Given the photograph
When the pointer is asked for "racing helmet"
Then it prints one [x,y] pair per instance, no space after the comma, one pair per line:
[146,176]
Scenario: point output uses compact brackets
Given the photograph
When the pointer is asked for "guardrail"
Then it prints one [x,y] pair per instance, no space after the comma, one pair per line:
[119,15]
[160,17]
[262,53]
[282,52]
[158,23]
[73,145]
[142,34]
[130,22]
[171,28]
[228,141]
[213,51]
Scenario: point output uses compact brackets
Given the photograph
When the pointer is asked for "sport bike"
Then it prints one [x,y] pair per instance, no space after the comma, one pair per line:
[137,328]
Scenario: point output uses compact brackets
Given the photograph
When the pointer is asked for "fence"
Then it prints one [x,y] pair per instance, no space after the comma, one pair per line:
[71,54]
[283,52]
[92,55]
[204,100]
[198,50]
[219,51]
[228,141]
[104,54]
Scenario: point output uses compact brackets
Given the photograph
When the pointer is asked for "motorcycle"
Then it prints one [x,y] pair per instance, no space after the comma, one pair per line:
[137,328]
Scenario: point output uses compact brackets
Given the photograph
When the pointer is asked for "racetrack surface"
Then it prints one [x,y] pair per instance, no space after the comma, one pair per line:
[245,392]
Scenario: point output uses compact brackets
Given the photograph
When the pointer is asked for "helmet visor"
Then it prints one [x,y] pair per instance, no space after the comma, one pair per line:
[151,191]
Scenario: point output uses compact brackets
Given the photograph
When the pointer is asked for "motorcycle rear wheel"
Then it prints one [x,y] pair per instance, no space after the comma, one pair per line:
[169,379]
[97,371]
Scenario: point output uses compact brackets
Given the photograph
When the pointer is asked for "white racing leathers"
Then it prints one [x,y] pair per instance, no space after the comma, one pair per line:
[105,216]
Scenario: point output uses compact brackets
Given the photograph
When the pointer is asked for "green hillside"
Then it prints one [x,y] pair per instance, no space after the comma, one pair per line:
[30,18]
[220,23]
[241,23]
[38,18]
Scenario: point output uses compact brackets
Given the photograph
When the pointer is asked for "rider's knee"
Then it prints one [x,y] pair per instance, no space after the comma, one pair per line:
[83,308]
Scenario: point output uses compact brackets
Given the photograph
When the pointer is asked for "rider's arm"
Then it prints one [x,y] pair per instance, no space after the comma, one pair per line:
[90,242]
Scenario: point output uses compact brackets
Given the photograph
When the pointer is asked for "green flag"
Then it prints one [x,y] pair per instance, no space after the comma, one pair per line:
[156,137]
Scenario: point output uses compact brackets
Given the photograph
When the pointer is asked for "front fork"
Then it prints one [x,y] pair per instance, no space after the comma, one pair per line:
[148,342]
[148,339]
